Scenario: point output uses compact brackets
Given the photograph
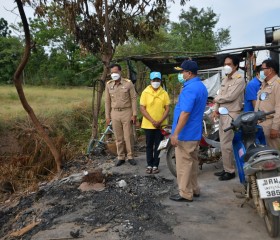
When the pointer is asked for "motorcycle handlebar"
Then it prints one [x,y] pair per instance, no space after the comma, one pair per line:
[265,114]
[227,129]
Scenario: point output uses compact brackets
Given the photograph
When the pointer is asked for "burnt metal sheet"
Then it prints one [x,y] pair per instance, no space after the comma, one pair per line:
[166,65]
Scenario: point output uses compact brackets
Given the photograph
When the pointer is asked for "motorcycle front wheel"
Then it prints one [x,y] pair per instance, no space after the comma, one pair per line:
[272,224]
[171,160]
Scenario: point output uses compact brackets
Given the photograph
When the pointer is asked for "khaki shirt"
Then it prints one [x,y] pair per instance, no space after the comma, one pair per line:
[120,96]
[231,93]
[272,101]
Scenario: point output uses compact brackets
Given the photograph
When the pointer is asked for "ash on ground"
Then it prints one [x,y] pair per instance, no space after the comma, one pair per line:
[127,210]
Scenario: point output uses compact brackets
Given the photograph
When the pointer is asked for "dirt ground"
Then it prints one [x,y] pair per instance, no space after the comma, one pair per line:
[139,210]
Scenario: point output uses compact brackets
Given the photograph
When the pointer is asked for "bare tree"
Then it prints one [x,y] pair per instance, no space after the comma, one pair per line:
[18,84]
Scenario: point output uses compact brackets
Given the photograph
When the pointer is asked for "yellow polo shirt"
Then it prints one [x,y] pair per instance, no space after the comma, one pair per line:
[155,102]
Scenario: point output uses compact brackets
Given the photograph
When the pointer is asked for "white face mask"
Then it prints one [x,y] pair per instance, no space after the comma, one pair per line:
[155,84]
[227,69]
[115,76]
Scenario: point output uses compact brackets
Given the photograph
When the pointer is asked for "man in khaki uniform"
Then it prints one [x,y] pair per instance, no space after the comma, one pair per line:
[121,109]
[231,95]
[270,100]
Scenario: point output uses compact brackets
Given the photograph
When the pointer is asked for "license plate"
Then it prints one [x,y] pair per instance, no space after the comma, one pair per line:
[163,144]
[269,187]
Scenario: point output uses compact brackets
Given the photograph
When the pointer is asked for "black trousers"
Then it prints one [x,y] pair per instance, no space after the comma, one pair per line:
[153,138]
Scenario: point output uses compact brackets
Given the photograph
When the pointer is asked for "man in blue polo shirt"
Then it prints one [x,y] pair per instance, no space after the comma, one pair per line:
[187,131]
[251,91]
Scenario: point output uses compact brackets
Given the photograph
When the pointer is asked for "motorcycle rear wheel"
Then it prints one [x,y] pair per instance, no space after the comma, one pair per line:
[171,160]
[272,224]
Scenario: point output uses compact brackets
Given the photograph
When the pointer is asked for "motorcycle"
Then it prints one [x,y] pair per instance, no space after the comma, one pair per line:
[258,166]
[209,146]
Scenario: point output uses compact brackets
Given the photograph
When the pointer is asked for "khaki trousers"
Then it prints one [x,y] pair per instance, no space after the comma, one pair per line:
[273,143]
[122,126]
[226,142]
[187,168]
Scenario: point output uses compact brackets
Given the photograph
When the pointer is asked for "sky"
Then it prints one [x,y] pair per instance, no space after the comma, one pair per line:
[246,19]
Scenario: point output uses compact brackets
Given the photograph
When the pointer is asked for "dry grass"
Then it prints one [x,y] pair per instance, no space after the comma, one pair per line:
[44,101]
[66,115]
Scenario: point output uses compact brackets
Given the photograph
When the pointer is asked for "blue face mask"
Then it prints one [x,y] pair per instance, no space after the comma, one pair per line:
[181,78]
[262,76]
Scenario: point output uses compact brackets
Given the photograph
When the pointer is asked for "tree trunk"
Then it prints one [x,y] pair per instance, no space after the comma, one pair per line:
[17,81]
[106,57]
[98,89]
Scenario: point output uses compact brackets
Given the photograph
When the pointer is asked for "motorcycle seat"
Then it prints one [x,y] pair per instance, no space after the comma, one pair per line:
[254,149]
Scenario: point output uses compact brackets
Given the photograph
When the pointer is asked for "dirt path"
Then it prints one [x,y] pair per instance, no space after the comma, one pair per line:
[142,210]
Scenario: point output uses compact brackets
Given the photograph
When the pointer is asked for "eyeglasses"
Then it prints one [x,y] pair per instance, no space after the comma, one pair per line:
[265,68]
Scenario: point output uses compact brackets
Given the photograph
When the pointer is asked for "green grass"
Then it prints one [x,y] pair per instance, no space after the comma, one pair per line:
[44,101]
[67,111]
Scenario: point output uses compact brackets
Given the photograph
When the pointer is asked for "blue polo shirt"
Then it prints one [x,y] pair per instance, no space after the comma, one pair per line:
[251,91]
[192,99]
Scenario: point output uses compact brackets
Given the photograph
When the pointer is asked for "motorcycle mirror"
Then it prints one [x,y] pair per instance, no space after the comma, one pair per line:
[263,96]
[223,111]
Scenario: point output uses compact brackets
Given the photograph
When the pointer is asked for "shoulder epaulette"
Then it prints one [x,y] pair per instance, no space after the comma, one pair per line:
[238,76]
[127,80]
[110,81]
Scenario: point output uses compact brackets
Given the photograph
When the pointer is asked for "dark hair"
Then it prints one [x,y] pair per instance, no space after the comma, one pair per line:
[116,65]
[258,68]
[271,64]
[235,60]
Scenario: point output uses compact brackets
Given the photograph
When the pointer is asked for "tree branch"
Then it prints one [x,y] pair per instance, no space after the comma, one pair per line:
[18,85]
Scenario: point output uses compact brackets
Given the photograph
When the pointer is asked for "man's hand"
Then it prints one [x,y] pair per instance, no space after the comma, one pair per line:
[215,115]
[133,120]
[174,140]
[108,120]
[274,133]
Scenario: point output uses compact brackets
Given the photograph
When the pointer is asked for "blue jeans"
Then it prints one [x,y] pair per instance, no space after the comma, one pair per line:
[153,138]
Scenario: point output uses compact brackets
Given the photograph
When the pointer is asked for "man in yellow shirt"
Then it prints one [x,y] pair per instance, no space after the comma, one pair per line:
[154,106]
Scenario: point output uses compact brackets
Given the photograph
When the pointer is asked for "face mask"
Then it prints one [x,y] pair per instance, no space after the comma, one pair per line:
[262,76]
[181,78]
[227,69]
[115,76]
[155,84]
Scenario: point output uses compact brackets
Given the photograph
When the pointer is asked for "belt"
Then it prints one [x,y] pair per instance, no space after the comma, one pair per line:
[235,111]
[268,117]
[120,109]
